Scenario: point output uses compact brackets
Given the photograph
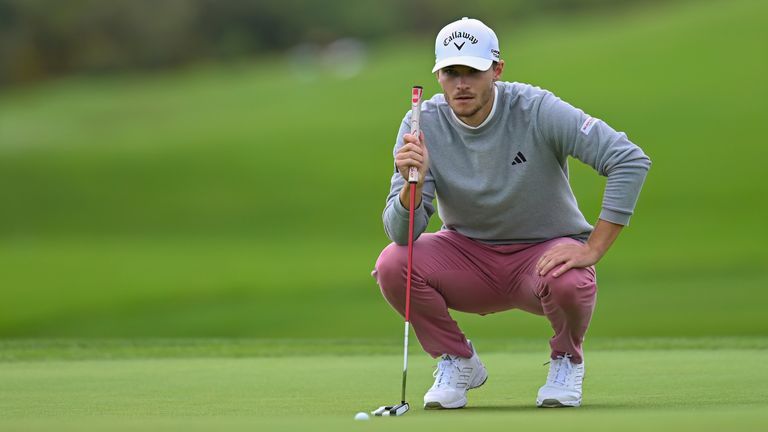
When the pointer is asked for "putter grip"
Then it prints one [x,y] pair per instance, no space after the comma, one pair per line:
[416,93]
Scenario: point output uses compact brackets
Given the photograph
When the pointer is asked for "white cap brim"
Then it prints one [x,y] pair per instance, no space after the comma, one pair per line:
[478,63]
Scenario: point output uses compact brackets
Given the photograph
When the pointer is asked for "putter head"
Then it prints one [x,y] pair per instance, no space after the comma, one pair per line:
[396,410]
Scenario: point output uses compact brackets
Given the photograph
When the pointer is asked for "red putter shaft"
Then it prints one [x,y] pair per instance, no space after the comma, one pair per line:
[413,179]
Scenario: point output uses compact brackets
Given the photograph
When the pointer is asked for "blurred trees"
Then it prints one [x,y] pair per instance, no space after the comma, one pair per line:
[44,38]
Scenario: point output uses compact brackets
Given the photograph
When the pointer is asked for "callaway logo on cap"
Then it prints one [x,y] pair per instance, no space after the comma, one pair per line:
[466,42]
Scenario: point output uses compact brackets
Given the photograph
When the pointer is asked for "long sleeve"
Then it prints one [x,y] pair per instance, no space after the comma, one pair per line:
[571,132]
[395,216]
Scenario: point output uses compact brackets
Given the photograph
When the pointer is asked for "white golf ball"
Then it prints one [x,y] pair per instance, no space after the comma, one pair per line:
[361,416]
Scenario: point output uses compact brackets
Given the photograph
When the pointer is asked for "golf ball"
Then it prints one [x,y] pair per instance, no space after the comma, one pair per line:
[361,416]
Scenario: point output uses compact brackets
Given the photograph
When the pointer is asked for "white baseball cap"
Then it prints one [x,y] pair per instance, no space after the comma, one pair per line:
[466,42]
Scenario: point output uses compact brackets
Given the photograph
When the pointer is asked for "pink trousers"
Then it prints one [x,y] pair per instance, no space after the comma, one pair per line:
[453,271]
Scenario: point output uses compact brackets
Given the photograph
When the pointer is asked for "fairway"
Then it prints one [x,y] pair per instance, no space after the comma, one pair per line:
[204,385]
[147,205]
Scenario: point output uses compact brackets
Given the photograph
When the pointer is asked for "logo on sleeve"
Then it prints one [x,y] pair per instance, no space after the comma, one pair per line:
[588,124]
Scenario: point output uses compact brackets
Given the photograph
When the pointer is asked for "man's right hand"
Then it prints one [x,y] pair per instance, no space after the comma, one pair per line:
[413,153]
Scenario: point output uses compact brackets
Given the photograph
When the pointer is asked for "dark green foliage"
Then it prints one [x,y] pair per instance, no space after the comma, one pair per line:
[44,38]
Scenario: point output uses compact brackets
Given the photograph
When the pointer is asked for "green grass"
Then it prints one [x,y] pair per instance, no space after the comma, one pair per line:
[191,250]
[216,201]
[150,220]
[684,385]
[13,350]
[220,288]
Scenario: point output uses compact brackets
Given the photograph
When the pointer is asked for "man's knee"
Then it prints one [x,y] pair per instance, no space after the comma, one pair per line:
[575,286]
[390,269]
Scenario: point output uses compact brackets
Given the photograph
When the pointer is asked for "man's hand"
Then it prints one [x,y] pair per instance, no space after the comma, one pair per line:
[413,154]
[570,255]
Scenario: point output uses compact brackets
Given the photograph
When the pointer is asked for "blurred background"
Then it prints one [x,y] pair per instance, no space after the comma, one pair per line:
[201,168]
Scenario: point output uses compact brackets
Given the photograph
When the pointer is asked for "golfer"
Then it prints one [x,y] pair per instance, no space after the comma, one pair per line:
[495,155]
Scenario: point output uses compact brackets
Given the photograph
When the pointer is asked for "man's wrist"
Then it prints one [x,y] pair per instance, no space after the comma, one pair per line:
[602,237]
[595,252]
[405,194]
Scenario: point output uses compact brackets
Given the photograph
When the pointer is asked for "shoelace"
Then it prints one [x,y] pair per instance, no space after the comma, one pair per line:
[558,373]
[445,367]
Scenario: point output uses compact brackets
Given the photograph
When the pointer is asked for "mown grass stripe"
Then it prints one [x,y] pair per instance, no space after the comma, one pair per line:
[83,349]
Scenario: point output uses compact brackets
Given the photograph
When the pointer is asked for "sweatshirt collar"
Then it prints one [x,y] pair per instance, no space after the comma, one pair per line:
[487,119]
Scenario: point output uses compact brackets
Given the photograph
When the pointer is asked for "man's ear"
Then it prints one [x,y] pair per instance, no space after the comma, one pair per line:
[497,71]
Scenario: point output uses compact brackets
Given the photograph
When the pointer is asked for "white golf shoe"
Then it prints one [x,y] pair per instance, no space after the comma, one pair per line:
[563,387]
[453,377]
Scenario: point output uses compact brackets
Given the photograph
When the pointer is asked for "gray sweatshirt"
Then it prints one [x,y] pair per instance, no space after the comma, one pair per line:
[506,181]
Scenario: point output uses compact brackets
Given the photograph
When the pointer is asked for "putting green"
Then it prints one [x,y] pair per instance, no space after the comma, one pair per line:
[632,389]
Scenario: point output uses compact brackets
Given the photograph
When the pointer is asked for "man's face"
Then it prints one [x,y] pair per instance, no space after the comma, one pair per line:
[468,90]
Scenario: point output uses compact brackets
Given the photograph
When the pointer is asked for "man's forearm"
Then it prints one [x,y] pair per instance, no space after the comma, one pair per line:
[603,236]
[405,195]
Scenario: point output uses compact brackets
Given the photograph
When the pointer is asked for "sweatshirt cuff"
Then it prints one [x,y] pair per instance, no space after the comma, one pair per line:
[614,216]
[403,212]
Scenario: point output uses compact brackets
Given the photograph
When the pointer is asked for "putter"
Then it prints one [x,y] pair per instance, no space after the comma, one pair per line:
[413,178]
